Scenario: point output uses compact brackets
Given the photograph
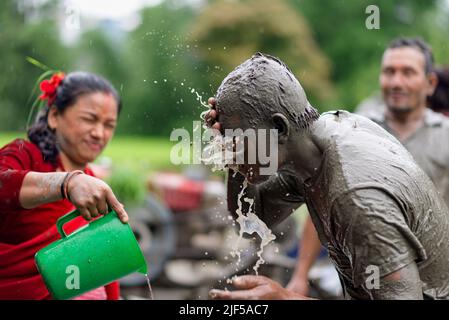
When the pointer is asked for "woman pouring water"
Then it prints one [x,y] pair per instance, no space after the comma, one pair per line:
[46,176]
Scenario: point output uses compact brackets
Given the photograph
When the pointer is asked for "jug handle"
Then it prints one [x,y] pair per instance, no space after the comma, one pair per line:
[64,219]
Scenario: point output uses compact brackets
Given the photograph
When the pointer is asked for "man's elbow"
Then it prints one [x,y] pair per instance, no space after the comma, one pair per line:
[403,284]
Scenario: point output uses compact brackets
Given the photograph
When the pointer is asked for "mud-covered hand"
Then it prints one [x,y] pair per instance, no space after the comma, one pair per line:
[254,288]
[211,116]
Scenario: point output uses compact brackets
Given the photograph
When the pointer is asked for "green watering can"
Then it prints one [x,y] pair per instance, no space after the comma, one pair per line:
[97,254]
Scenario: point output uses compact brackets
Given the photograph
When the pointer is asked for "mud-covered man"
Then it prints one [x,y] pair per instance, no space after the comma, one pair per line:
[408,81]
[372,206]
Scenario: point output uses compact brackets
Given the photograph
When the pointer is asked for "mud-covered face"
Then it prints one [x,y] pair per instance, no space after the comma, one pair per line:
[248,98]
[255,152]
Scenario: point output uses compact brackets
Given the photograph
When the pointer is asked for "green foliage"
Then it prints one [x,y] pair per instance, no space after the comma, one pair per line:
[156,93]
[339,28]
[178,48]
[227,33]
[128,186]
[22,36]
[97,53]
[142,154]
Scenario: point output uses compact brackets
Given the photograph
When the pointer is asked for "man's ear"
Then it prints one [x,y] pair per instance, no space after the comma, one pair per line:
[282,125]
[432,79]
[51,118]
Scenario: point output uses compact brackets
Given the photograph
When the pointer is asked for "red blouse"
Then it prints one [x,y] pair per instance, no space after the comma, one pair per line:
[24,231]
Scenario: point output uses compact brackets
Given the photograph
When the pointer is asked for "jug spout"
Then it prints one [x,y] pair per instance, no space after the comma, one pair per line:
[143,269]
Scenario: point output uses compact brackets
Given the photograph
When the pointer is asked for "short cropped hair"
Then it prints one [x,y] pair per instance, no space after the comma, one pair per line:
[420,45]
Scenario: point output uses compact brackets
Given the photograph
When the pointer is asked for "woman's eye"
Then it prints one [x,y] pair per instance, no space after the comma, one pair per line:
[90,120]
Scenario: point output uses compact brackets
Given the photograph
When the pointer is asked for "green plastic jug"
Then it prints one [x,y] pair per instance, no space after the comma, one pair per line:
[97,254]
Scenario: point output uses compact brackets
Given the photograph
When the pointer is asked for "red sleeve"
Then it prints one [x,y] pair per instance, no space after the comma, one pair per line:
[113,291]
[16,159]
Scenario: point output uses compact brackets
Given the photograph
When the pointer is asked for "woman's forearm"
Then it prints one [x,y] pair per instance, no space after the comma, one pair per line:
[40,188]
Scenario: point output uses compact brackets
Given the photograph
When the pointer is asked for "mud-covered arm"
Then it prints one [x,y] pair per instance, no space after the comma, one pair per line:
[372,232]
[274,201]
[403,284]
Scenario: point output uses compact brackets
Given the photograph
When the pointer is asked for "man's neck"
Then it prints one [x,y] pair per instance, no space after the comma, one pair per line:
[307,157]
[405,124]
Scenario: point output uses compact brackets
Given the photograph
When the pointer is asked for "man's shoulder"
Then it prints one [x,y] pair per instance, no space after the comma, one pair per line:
[344,116]
[437,120]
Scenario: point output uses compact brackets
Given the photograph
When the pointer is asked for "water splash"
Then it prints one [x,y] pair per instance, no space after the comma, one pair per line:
[199,98]
[149,287]
[219,153]
[250,224]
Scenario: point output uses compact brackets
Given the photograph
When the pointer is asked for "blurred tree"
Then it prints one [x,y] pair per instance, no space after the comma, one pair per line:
[25,31]
[128,185]
[228,32]
[177,52]
[355,51]
[435,26]
[161,71]
[97,53]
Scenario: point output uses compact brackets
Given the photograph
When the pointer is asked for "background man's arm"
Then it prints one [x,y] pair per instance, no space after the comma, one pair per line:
[310,247]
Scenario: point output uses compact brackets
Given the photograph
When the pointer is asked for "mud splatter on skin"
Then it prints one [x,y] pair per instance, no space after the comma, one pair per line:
[49,185]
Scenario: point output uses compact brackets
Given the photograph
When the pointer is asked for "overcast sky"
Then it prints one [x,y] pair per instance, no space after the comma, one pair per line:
[112,9]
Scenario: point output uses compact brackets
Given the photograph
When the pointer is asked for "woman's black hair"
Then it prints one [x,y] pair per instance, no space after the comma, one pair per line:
[439,101]
[73,86]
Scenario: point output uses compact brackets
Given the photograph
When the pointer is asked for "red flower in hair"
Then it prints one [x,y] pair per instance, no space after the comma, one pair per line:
[48,87]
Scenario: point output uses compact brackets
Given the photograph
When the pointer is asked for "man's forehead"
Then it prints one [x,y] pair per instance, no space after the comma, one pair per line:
[403,57]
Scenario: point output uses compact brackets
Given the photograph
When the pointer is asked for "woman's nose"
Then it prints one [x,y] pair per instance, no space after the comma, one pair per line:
[98,131]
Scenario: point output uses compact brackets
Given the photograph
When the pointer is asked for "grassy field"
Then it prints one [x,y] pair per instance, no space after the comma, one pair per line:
[144,154]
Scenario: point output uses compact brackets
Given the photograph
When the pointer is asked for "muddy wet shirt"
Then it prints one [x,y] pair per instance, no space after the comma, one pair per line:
[428,147]
[373,207]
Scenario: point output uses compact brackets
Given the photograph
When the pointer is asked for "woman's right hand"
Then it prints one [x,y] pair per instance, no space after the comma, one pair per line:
[93,197]
[211,116]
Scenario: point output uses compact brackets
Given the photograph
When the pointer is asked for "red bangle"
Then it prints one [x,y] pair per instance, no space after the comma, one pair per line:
[65,186]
